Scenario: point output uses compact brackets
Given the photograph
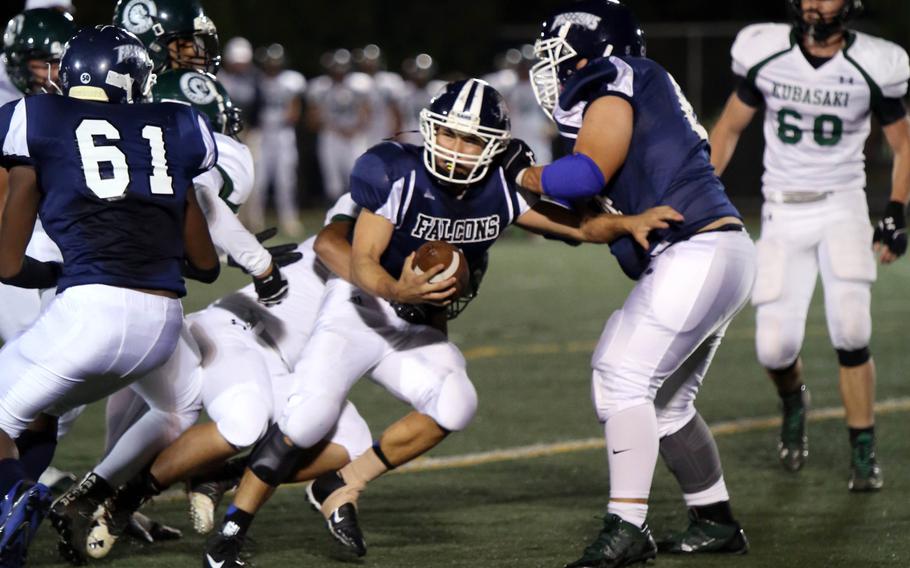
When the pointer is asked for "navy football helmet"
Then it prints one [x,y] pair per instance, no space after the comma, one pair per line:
[589,29]
[822,30]
[106,63]
[469,108]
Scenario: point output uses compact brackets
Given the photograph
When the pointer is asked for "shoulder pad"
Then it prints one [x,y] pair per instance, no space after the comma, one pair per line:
[376,170]
[606,75]
[756,43]
[882,61]
[236,162]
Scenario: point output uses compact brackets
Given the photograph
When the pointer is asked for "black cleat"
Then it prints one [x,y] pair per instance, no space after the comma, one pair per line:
[793,445]
[865,473]
[72,516]
[342,523]
[703,535]
[223,551]
[619,544]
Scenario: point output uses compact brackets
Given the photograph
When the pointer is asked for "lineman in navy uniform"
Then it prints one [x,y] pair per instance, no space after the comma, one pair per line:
[119,206]
[635,142]
[454,189]
[819,83]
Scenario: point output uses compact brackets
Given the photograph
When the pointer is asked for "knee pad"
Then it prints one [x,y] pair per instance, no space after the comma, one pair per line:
[273,460]
[853,358]
[242,415]
[452,402]
[778,340]
[309,417]
[691,455]
[850,319]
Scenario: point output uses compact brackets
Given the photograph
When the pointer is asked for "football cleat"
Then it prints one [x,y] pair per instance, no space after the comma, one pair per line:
[703,535]
[342,523]
[793,445]
[619,543]
[72,516]
[865,473]
[21,512]
[101,538]
[204,498]
[223,551]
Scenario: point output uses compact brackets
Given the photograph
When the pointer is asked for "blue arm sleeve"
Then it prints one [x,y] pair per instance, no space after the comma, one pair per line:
[572,177]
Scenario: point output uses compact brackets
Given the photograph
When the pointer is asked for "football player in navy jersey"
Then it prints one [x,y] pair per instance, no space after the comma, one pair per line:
[634,143]
[389,320]
[118,205]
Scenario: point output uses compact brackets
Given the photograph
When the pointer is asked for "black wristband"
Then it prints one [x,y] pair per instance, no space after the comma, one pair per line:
[896,209]
[35,274]
[193,272]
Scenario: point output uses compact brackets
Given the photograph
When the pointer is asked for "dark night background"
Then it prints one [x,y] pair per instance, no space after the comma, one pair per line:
[690,38]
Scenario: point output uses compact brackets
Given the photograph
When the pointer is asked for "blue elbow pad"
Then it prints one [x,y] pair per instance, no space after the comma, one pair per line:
[572,177]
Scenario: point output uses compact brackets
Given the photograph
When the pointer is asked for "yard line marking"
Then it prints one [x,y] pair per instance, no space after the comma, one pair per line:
[726,428]
[888,406]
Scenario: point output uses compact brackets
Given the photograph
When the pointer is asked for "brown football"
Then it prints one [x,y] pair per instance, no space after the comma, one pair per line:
[440,252]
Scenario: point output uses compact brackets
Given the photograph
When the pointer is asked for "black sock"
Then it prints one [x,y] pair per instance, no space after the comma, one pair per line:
[717,512]
[855,433]
[36,450]
[236,522]
[137,491]
[792,399]
[11,472]
[95,488]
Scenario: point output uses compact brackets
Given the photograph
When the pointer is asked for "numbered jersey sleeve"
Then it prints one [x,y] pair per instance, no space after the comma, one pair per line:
[378,179]
[14,135]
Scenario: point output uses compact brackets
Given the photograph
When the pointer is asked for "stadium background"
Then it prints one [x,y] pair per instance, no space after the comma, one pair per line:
[521,486]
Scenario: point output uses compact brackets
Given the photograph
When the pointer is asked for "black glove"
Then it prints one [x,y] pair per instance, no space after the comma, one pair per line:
[272,289]
[282,255]
[891,231]
[516,158]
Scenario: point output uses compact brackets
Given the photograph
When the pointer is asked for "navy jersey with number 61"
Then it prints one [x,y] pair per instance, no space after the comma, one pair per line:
[113,179]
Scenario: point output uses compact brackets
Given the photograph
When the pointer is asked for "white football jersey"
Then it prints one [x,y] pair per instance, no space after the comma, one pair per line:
[232,176]
[277,94]
[8,91]
[817,120]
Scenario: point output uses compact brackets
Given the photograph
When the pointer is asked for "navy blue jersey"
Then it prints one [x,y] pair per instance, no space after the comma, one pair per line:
[391,181]
[669,158]
[113,180]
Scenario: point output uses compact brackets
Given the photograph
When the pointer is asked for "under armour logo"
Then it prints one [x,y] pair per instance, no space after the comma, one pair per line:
[846,80]
[357,300]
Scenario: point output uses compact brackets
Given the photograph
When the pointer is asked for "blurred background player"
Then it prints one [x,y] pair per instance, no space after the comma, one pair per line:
[339,110]
[820,83]
[420,87]
[241,78]
[513,80]
[135,279]
[385,92]
[635,142]
[282,92]
[177,33]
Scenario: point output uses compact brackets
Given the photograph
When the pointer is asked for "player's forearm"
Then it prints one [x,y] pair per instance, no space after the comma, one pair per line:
[230,236]
[334,250]
[368,275]
[900,175]
[723,142]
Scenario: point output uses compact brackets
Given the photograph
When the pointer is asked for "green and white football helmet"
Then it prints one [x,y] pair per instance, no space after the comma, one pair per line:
[35,36]
[204,92]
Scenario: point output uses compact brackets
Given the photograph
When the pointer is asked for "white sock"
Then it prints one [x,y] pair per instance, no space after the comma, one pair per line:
[714,494]
[632,448]
[634,513]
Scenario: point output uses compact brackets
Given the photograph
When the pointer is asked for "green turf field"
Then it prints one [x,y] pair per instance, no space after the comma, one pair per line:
[528,339]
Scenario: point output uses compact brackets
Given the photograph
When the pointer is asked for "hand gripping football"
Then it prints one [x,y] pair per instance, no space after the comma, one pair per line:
[440,252]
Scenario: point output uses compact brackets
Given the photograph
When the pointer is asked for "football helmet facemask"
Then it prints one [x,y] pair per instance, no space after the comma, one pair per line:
[35,35]
[589,29]
[469,109]
[821,30]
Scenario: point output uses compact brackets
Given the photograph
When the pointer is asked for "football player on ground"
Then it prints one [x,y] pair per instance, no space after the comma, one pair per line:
[131,185]
[819,83]
[635,142]
[135,433]
[384,321]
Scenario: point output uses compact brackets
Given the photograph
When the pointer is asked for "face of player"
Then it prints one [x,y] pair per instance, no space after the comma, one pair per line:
[41,70]
[187,53]
[815,11]
[467,145]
